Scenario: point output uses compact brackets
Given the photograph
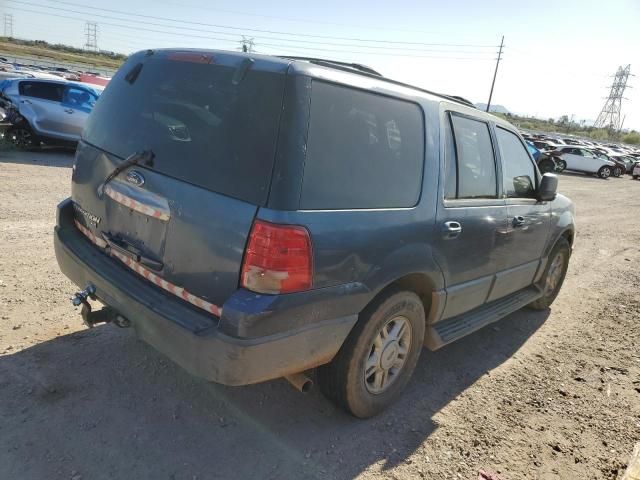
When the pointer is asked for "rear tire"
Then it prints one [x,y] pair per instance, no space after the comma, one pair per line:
[561,165]
[378,357]
[617,172]
[553,276]
[604,172]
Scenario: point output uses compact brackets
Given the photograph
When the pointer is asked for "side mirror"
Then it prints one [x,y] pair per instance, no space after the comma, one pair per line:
[548,187]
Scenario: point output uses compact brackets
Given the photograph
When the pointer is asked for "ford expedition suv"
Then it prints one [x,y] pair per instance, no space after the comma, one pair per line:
[256,217]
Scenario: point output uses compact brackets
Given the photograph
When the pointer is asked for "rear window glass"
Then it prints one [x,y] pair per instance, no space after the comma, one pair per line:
[204,127]
[364,150]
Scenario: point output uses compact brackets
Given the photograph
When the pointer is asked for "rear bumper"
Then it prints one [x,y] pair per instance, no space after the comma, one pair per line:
[199,342]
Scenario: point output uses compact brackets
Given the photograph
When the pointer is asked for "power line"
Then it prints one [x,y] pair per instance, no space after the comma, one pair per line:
[243,29]
[300,20]
[281,46]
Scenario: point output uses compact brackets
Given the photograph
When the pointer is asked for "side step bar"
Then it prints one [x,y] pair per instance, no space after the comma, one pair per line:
[447,331]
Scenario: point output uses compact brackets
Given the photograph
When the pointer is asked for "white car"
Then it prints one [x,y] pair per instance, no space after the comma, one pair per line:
[582,160]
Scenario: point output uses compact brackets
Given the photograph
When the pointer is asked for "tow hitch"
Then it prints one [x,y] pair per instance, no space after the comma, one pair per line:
[104,315]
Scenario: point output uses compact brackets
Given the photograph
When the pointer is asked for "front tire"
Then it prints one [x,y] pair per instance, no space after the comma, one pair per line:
[553,276]
[23,137]
[378,357]
[604,172]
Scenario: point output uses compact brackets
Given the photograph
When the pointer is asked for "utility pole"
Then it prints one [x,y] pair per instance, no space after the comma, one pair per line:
[495,73]
[8,25]
[91,32]
[609,116]
[247,45]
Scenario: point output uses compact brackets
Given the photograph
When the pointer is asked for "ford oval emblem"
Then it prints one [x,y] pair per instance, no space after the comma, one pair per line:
[135,177]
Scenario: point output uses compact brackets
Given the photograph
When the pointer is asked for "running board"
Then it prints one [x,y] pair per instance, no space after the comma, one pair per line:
[447,331]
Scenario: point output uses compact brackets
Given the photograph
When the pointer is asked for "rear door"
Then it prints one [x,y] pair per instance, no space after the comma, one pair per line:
[528,219]
[40,104]
[211,121]
[471,217]
[575,160]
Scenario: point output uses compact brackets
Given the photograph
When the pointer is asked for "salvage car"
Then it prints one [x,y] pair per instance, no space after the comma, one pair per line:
[47,111]
[581,159]
[257,217]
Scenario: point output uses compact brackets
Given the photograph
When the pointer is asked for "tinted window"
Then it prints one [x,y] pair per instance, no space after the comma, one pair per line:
[204,126]
[44,90]
[79,98]
[518,172]
[364,150]
[476,163]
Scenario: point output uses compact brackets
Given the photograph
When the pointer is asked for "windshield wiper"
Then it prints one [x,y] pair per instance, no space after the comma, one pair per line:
[144,157]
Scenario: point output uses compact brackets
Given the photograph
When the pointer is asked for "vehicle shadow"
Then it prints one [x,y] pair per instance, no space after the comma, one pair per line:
[101,404]
[46,156]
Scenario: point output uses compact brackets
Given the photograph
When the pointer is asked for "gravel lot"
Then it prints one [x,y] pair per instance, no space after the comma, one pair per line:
[538,395]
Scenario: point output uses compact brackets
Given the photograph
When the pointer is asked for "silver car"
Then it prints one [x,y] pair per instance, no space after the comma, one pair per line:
[47,111]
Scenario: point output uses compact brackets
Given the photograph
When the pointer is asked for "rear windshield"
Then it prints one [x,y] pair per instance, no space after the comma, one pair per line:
[204,125]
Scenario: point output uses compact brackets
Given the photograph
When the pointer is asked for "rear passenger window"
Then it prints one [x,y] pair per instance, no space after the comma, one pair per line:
[363,151]
[518,171]
[44,90]
[476,172]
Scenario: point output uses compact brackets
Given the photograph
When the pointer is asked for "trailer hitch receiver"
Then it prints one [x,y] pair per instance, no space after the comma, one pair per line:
[104,315]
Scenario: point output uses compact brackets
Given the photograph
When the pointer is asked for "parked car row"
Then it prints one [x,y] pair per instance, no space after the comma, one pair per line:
[586,156]
[10,70]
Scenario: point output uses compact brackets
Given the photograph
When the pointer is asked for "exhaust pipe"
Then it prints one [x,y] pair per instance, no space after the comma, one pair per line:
[300,382]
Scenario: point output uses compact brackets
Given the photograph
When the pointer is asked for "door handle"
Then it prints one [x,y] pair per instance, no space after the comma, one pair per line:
[451,229]
[518,221]
[68,110]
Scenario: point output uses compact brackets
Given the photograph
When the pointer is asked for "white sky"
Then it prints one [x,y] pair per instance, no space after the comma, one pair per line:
[559,56]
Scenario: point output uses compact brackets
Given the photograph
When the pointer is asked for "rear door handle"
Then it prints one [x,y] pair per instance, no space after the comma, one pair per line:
[68,110]
[451,229]
[518,221]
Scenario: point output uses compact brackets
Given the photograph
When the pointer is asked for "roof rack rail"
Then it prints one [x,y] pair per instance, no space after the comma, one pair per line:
[462,100]
[370,72]
[336,64]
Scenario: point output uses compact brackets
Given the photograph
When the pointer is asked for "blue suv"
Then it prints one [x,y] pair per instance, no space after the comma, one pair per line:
[256,217]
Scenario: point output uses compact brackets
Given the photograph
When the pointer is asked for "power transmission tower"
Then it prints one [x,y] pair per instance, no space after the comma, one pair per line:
[610,114]
[8,25]
[91,31]
[247,45]
[495,73]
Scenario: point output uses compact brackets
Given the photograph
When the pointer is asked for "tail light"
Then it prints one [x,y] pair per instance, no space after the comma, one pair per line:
[277,259]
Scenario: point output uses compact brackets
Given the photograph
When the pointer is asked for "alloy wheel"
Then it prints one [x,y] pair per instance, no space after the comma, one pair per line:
[387,355]
[554,274]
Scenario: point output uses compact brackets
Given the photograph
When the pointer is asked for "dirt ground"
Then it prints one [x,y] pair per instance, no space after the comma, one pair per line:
[537,395]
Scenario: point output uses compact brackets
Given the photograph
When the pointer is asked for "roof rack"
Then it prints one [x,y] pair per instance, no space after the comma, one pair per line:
[350,67]
[370,72]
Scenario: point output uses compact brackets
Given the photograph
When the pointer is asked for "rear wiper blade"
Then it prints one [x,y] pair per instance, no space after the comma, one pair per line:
[144,157]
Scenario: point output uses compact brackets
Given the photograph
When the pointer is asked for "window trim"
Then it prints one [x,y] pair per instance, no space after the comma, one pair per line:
[536,172]
[458,202]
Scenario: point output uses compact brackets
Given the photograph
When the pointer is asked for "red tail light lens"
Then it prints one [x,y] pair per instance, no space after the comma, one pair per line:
[277,259]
